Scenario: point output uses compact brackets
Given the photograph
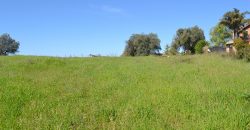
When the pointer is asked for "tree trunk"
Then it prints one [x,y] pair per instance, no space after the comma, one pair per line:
[235,34]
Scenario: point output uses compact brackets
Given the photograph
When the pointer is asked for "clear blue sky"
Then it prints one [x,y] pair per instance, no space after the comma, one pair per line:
[81,27]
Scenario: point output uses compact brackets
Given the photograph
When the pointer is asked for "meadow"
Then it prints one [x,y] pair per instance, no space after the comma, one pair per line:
[177,92]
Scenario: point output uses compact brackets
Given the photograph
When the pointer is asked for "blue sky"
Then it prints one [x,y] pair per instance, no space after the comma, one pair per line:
[83,27]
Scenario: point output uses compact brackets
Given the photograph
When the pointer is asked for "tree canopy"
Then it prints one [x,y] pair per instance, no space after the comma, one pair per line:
[199,46]
[187,38]
[220,35]
[8,45]
[234,20]
[142,45]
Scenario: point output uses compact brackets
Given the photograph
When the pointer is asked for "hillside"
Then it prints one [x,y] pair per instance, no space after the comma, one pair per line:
[188,92]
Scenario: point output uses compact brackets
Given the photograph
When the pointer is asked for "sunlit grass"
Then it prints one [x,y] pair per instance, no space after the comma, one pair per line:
[187,92]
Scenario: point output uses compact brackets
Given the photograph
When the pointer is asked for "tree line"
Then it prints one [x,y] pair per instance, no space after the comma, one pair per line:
[189,40]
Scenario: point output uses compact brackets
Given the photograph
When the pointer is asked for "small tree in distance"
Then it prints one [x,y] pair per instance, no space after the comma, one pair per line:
[187,38]
[167,49]
[220,35]
[199,46]
[142,45]
[8,45]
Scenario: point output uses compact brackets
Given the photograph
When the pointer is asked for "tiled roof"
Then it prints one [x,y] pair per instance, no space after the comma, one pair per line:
[245,27]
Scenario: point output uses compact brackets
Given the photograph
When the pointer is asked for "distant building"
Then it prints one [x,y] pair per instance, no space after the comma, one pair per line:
[217,49]
[229,47]
[214,49]
[244,33]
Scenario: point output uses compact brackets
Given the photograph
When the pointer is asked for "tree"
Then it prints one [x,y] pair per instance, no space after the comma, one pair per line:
[187,38]
[243,49]
[199,46]
[8,45]
[142,45]
[234,20]
[167,49]
[220,35]
[240,45]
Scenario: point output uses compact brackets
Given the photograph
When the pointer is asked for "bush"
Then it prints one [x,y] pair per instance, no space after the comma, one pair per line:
[239,43]
[240,46]
[247,53]
[173,51]
[243,49]
[199,46]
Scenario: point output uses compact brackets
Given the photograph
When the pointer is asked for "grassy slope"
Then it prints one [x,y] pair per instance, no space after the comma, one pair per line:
[196,92]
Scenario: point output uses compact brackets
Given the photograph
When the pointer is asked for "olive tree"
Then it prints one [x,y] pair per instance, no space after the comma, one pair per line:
[142,45]
[187,38]
[8,45]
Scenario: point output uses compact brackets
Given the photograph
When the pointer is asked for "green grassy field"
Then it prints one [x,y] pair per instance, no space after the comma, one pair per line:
[185,92]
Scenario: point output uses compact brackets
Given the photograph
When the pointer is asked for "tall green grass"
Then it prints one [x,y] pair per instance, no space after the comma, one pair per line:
[187,92]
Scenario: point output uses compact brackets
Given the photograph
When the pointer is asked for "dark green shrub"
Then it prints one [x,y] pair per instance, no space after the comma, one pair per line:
[199,46]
